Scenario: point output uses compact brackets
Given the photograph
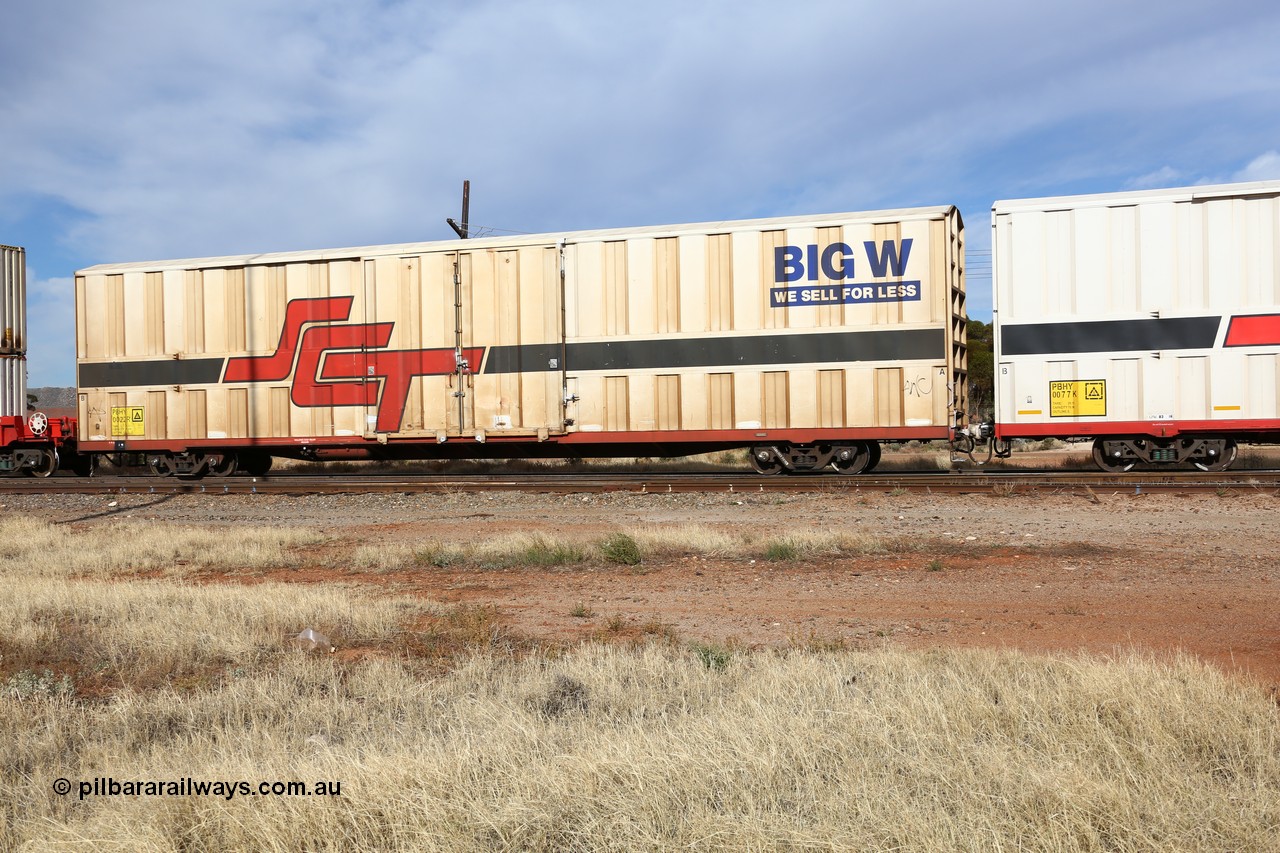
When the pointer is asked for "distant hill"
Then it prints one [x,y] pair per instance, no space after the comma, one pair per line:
[52,397]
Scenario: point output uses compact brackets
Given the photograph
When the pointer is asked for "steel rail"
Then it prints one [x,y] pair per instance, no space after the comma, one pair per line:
[999,482]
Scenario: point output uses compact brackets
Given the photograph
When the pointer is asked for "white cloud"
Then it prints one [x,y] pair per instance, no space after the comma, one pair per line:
[1165,176]
[1264,167]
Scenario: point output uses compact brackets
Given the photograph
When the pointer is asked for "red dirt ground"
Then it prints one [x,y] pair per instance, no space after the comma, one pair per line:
[1037,572]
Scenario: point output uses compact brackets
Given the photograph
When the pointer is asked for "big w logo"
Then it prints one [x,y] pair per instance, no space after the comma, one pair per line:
[344,364]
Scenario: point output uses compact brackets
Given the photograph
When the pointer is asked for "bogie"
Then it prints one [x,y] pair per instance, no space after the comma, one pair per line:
[1117,455]
[44,463]
[856,457]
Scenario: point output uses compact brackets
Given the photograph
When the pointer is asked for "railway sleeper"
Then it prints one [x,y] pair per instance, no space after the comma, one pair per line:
[1117,455]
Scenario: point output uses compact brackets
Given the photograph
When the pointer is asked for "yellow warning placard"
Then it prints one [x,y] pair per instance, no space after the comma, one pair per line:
[1078,398]
[128,420]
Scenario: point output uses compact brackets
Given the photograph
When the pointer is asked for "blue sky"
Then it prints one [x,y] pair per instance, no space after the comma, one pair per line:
[141,130]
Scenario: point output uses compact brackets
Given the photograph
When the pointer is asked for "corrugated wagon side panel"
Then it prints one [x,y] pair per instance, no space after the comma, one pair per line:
[1163,305]
[693,283]
[720,310]
[437,321]
[749,298]
[540,319]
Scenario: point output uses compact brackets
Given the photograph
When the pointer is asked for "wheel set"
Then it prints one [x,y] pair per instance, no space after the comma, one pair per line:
[1119,455]
[857,457]
[196,466]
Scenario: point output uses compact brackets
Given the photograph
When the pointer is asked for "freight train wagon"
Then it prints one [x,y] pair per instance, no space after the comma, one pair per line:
[30,442]
[808,339]
[1146,321]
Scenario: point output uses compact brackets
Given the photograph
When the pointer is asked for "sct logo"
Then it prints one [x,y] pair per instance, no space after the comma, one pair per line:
[836,262]
[343,365]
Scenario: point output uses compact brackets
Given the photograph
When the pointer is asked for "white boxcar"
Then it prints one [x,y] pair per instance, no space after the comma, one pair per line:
[1149,321]
[808,338]
[13,332]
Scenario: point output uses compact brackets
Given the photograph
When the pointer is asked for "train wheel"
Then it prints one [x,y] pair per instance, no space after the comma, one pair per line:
[765,461]
[1224,460]
[1111,463]
[853,458]
[199,467]
[160,465]
[874,447]
[48,464]
[258,464]
[222,464]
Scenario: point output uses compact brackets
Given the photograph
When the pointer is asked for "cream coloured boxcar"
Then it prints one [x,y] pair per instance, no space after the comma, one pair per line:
[808,339]
[1147,321]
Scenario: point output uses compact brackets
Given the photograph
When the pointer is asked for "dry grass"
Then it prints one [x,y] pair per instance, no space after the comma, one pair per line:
[641,544]
[656,746]
[42,549]
[496,552]
[75,606]
[145,632]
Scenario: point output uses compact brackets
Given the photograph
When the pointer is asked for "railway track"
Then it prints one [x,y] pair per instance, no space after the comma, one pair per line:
[999,482]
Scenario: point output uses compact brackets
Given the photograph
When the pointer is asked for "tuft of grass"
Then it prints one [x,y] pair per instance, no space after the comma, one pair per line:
[581,611]
[622,548]
[935,565]
[712,656]
[542,551]
[438,556]
[29,684]
[683,539]
[566,695]
[781,550]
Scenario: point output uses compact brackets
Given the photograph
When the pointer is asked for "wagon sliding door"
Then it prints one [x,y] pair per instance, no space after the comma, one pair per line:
[509,333]
[474,338]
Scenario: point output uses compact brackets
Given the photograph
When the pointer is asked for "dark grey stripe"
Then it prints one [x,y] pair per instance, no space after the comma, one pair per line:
[168,371]
[523,359]
[736,351]
[1109,336]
